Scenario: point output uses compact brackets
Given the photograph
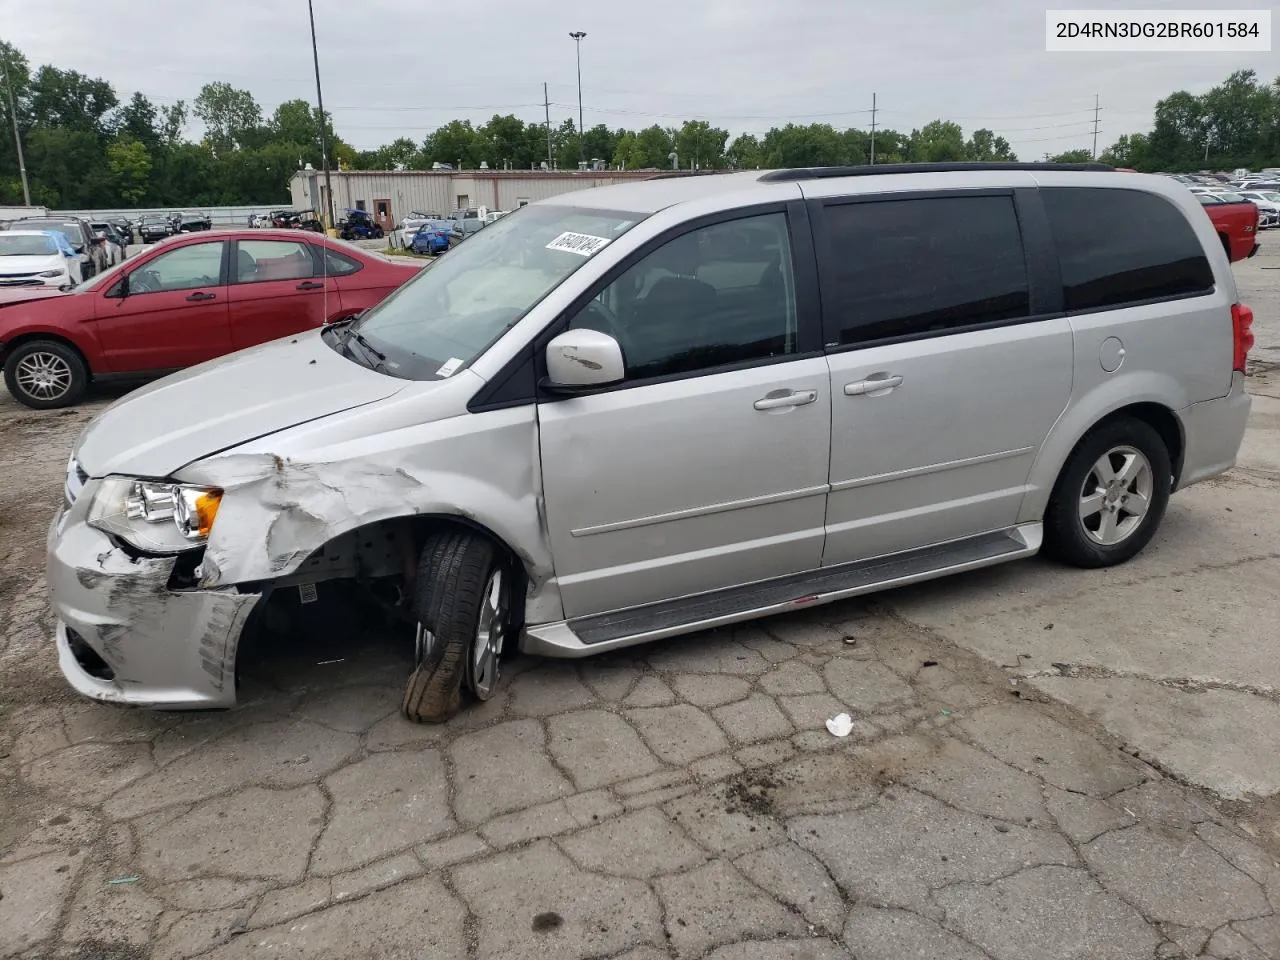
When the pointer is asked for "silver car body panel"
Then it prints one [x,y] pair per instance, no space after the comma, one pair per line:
[638,499]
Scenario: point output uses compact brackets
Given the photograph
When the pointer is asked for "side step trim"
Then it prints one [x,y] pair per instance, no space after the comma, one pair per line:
[589,635]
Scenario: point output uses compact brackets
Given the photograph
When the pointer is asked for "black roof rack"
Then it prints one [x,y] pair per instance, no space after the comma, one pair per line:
[819,173]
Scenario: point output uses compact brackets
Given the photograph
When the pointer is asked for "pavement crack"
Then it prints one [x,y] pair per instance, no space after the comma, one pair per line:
[1090,671]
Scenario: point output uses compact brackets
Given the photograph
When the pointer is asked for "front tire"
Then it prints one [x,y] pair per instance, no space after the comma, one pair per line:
[462,604]
[46,375]
[1110,497]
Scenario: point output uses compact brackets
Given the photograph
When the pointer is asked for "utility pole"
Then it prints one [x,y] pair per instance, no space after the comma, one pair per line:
[17,137]
[873,129]
[324,134]
[577,42]
[546,102]
[1096,108]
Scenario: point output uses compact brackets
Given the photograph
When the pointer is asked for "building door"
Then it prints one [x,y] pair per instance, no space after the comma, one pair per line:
[382,215]
[464,201]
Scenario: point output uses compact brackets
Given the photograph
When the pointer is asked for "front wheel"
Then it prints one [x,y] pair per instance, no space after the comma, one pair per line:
[1110,496]
[45,375]
[462,604]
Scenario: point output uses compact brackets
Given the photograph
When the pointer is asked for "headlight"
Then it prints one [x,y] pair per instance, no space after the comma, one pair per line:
[155,517]
[51,273]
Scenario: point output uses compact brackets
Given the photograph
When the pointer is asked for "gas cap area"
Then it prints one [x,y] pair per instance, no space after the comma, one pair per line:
[1111,355]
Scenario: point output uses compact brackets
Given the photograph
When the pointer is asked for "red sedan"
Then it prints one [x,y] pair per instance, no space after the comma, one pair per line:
[185,300]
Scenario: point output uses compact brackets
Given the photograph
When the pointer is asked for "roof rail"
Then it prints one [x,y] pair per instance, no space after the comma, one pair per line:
[819,173]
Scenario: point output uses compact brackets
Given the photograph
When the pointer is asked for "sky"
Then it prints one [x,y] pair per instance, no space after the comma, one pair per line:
[394,68]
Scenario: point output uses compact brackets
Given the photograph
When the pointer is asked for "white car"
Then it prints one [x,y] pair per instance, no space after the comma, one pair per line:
[34,258]
[411,224]
[1268,204]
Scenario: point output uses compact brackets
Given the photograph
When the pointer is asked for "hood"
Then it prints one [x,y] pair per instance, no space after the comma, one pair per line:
[14,295]
[226,402]
[30,264]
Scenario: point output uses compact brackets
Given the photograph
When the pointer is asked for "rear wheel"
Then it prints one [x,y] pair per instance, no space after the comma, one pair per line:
[1110,496]
[462,603]
[46,374]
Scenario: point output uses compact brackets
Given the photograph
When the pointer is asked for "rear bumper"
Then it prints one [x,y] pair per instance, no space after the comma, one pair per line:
[1213,431]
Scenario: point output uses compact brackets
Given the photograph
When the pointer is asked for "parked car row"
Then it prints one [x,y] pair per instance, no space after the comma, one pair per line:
[430,234]
[152,227]
[91,250]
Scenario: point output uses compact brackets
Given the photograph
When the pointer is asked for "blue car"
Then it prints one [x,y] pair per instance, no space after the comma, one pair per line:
[432,237]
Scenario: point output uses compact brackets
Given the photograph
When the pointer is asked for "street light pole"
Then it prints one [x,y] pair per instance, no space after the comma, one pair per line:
[17,137]
[577,42]
[324,135]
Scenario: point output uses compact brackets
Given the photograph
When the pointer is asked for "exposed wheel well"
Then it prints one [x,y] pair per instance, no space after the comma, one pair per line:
[1226,244]
[19,340]
[371,567]
[1163,421]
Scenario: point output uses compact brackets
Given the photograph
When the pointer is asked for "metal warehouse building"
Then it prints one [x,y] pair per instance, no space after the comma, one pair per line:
[390,195]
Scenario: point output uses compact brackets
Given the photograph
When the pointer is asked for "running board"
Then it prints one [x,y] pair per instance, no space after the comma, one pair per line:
[589,635]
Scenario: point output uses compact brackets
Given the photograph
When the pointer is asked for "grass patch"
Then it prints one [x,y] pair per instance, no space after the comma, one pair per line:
[406,252]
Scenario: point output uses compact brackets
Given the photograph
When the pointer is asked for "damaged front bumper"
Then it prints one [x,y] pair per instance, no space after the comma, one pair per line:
[126,634]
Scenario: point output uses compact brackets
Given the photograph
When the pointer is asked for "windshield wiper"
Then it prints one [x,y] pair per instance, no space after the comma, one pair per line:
[373,351]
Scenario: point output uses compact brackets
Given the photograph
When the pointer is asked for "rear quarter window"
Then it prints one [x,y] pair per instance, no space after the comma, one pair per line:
[1119,247]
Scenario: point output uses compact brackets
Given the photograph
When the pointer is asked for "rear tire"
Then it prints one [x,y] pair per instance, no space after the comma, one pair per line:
[46,375]
[462,603]
[1110,497]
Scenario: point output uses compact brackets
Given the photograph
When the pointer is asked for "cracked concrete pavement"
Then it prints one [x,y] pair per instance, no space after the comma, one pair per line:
[1045,763]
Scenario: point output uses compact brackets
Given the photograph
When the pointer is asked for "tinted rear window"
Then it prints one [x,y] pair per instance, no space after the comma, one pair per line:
[1118,247]
[895,268]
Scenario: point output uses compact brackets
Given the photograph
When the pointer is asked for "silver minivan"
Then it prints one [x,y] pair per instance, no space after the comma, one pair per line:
[644,410]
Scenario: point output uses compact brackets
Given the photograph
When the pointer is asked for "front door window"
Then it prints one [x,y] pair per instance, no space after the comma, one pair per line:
[720,295]
[187,268]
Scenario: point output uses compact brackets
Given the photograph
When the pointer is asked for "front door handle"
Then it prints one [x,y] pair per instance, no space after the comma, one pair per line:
[203,296]
[874,385]
[789,398]
[310,285]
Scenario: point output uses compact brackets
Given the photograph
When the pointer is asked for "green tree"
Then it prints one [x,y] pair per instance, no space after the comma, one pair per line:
[1180,133]
[649,149]
[453,143]
[701,145]
[231,117]
[503,139]
[173,120]
[816,145]
[600,143]
[1081,155]
[986,147]
[295,122]
[130,167]
[138,121]
[936,142]
[67,100]
[1128,151]
[744,153]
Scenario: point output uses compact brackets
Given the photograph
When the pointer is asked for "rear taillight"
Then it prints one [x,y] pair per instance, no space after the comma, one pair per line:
[1242,334]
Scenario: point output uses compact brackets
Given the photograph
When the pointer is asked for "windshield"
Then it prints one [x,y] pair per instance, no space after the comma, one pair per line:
[18,245]
[1230,197]
[446,316]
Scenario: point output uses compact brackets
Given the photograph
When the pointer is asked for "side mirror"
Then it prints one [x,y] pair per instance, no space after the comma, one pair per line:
[580,359]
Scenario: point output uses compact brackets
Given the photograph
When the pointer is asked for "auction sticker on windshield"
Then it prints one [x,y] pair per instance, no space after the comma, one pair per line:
[582,244]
